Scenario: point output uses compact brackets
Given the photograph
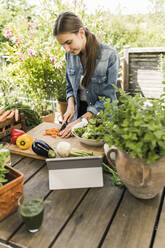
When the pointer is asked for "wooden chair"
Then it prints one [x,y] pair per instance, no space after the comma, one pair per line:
[140,71]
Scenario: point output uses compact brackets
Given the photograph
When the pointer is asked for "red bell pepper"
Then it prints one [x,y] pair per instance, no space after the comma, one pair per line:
[15,133]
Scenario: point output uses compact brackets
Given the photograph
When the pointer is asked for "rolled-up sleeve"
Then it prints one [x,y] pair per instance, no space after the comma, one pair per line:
[69,90]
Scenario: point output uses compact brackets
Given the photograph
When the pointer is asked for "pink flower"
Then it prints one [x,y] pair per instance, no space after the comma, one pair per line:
[16,40]
[20,56]
[31,52]
[52,58]
[32,25]
[8,33]
[59,67]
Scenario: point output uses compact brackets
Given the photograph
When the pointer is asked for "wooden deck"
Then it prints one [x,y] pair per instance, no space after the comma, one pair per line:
[108,217]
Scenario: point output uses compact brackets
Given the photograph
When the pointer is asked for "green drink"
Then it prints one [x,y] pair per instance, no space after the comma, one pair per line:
[32,212]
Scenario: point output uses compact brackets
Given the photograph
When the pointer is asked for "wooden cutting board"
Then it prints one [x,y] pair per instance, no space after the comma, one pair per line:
[38,133]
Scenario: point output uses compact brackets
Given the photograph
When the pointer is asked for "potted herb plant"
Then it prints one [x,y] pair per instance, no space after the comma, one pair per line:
[11,184]
[135,131]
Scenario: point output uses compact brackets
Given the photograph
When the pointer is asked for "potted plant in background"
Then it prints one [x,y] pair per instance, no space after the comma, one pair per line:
[135,132]
[11,184]
[45,76]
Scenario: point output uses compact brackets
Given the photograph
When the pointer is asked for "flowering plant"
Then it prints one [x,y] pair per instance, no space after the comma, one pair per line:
[44,73]
[36,64]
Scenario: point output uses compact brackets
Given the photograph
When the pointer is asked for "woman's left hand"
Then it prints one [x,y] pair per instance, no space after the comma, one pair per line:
[67,132]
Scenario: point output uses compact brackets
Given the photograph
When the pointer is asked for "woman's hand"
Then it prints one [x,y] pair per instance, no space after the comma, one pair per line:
[67,132]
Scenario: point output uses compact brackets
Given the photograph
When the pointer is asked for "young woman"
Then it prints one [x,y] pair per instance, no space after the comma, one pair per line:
[91,70]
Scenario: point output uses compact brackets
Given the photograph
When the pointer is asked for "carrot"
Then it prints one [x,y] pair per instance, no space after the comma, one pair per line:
[2,111]
[52,131]
[10,116]
[48,132]
[16,114]
[54,136]
[3,117]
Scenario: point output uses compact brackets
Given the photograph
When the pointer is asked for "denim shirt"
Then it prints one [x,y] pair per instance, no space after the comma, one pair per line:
[101,84]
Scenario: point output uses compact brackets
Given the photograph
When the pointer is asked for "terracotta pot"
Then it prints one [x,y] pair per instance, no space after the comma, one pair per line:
[62,107]
[10,192]
[142,180]
[48,118]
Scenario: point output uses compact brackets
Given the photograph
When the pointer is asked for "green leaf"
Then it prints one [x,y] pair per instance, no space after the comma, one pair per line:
[158,134]
[115,179]
[3,180]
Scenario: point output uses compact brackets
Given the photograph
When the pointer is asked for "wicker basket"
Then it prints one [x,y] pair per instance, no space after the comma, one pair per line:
[8,125]
[10,192]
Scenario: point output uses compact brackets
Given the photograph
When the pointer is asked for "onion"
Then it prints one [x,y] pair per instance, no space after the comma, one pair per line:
[63,149]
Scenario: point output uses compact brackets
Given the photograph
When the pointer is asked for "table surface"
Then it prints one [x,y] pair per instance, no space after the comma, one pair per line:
[108,217]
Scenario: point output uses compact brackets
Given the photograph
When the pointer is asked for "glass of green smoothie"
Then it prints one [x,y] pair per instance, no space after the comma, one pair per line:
[31,210]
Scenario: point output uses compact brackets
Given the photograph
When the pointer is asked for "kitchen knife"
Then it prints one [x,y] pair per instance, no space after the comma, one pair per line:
[63,126]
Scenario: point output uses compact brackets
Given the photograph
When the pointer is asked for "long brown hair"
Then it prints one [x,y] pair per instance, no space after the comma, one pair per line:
[68,22]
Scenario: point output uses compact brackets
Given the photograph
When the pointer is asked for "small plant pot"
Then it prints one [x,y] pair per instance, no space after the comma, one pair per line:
[48,118]
[10,192]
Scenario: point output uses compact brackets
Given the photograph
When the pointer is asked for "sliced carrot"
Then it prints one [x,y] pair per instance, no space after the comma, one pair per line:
[48,132]
[16,114]
[52,131]
[54,136]
[3,117]
[11,115]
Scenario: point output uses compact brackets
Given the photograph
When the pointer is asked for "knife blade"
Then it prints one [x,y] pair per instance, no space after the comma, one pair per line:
[63,126]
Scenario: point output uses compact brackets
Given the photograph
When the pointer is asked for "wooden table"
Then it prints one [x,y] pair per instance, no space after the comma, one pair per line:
[108,217]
